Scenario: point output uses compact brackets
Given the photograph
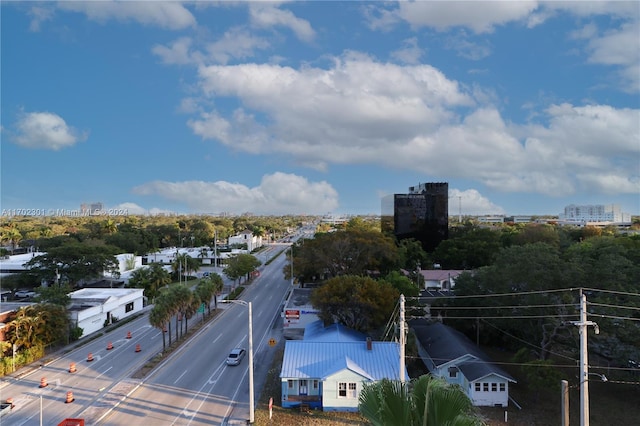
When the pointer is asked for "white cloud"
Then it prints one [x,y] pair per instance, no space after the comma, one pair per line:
[359,111]
[267,15]
[278,193]
[45,130]
[237,43]
[178,52]
[164,14]
[410,53]
[39,15]
[479,16]
[471,203]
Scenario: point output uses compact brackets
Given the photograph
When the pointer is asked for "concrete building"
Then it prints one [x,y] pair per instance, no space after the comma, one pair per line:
[93,308]
[298,313]
[598,213]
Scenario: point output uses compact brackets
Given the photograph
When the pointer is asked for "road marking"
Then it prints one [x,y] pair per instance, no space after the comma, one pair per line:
[106,371]
[185,372]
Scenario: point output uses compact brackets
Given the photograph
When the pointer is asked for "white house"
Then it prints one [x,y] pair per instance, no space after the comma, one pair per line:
[330,375]
[447,353]
[92,308]
[246,237]
[440,279]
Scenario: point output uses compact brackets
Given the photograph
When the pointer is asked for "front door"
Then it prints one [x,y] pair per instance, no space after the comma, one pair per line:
[302,387]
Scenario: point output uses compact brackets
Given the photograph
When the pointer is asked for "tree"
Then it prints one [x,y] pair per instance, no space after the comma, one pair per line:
[426,401]
[241,265]
[360,303]
[470,248]
[56,294]
[75,262]
[349,252]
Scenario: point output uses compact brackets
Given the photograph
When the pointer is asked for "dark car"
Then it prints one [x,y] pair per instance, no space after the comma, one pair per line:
[236,355]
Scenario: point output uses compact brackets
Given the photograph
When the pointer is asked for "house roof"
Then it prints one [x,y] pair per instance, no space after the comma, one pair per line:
[440,274]
[445,344]
[317,332]
[318,360]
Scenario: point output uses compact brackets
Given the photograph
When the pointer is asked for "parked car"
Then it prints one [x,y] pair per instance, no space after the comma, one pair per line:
[236,355]
[25,293]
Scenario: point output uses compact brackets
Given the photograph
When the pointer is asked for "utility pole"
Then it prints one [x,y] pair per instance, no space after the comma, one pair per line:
[584,362]
[402,339]
[564,402]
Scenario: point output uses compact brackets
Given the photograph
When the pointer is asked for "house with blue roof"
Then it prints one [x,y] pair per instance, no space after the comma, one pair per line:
[329,367]
[449,354]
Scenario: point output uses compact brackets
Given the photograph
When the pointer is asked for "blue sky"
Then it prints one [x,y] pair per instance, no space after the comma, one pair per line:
[523,107]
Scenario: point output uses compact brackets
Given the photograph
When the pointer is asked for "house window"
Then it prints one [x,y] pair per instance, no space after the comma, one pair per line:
[128,307]
[342,390]
[494,387]
[315,384]
[453,372]
[503,387]
[485,387]
[352,391]
[347,390]
[477,387]
[290,383]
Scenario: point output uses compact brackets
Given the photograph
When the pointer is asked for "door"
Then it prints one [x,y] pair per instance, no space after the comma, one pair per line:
[302,387]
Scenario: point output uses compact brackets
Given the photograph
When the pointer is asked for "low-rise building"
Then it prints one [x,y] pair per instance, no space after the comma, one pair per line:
[93,308]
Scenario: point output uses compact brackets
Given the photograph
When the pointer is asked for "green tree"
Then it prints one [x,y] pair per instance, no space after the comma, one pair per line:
[360,303]
[56,294]
[426,401]
[75,262]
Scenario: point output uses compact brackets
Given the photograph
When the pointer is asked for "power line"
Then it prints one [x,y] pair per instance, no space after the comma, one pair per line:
[502,317]
[636,308]
[505,307]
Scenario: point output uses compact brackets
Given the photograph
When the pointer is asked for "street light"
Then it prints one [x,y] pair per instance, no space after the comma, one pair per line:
[251,401]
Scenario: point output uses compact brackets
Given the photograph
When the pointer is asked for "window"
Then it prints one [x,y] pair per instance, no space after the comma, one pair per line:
[453,372]
[503,387]
[485,387]
[494,387]
[128,307]
[347,390]
[352,390]
[315,384]
[290,383]
[477,387]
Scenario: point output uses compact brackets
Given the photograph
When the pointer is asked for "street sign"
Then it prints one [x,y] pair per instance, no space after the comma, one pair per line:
[272,342]
[201,309]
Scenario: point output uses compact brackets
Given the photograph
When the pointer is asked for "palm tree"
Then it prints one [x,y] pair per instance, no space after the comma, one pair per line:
[158,278]
[426,401]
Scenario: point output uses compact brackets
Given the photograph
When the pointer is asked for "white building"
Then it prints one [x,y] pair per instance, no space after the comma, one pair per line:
[246,237]
[92,308]
[601,213]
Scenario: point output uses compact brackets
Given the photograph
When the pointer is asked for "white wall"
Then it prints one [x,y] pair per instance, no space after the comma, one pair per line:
[330,399]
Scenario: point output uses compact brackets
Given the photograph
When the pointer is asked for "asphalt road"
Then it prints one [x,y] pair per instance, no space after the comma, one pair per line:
[192,386]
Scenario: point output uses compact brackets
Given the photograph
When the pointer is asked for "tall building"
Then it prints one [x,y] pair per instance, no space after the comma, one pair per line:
[422,214]
[89,209]
[595,213]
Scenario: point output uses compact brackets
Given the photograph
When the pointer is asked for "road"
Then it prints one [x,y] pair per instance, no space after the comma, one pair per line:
[192,386]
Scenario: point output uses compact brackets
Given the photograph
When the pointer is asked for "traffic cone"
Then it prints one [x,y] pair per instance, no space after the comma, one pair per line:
[43,382]
[72,367]
[90,357]
[69,398]
[138,347]
[109,346]
[128,335]
[10,401]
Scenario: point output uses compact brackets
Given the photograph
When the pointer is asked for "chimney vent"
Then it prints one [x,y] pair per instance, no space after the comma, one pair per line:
[369,344]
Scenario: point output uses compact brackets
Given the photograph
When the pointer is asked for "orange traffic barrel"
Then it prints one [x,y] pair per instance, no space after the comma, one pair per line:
[69,397]
[72,367]
[43,382]
[90,357]
[138,347]
[128,335]
[109,346]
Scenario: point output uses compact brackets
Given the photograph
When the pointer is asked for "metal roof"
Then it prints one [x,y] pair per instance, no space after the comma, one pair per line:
[445,344]
[318,360]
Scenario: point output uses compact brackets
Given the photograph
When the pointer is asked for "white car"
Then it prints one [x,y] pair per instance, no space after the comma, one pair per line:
[25,293]
[236,356]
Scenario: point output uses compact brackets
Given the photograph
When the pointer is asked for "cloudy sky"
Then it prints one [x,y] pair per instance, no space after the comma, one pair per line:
[523,107]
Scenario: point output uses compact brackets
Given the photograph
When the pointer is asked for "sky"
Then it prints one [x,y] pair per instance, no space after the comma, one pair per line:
[323,107]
